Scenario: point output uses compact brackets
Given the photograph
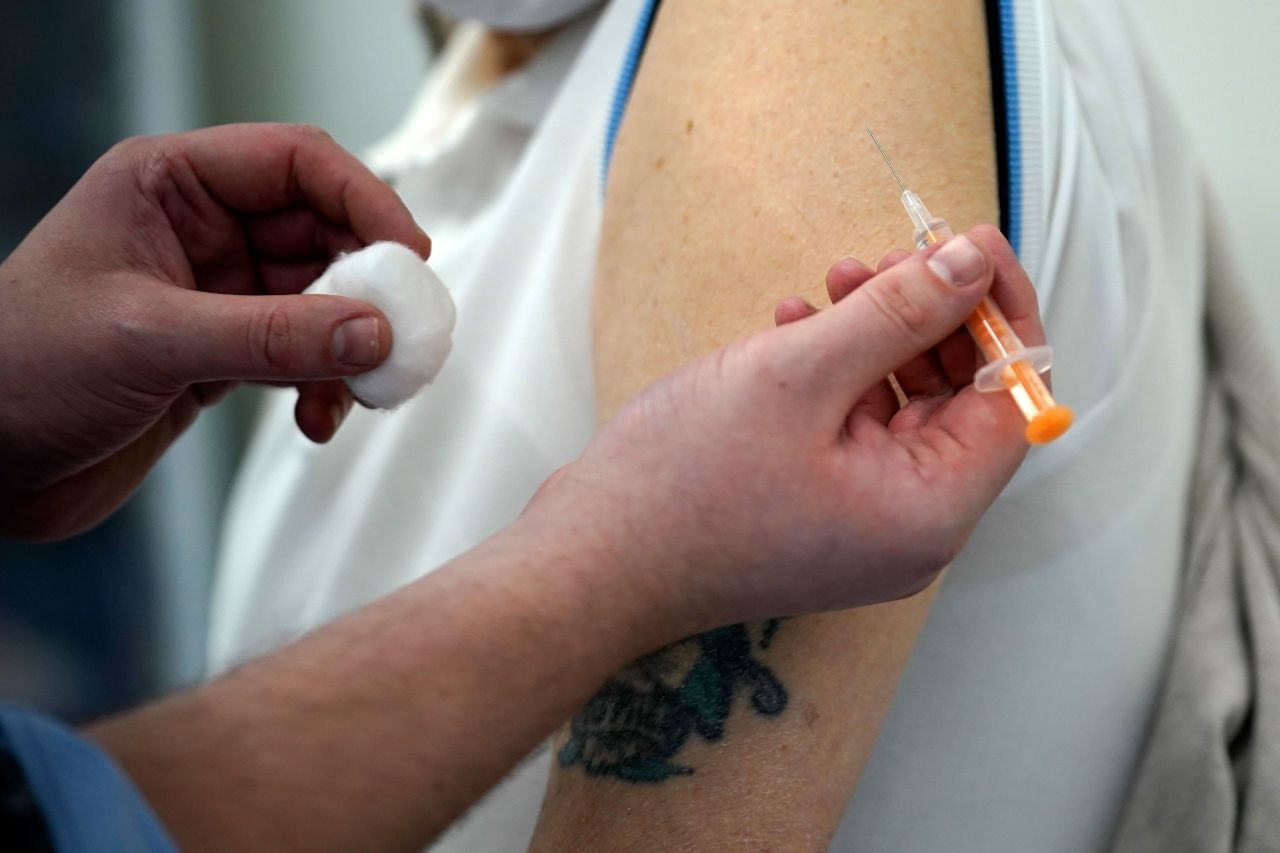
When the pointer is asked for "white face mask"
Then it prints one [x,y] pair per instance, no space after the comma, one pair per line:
[514,14]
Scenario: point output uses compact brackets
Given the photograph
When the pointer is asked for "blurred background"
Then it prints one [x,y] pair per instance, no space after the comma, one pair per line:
[95,623]
[118,614]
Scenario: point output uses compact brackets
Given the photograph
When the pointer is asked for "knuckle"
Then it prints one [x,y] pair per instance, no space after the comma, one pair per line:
[134,338]
[153,161]
[131,148]
[311,133]
[147,160]
[756,351]
[902,307]
[271,340]
[123,151]
[772,363]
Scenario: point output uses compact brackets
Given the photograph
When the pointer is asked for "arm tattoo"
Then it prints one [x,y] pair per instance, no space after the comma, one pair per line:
[644,715]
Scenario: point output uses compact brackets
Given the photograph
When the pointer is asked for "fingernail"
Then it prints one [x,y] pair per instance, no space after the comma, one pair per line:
[336,414]
[958,262]
[355,342]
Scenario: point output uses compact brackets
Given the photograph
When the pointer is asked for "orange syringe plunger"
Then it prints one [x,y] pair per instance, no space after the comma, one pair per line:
[1010,366]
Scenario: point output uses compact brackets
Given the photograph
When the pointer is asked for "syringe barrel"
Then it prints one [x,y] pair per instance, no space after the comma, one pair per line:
[992,332]
[996,340]
[933,231]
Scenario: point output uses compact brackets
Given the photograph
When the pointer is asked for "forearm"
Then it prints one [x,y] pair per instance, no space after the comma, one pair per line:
[379,730]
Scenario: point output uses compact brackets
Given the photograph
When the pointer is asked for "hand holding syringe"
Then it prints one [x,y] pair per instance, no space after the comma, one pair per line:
[1010,365]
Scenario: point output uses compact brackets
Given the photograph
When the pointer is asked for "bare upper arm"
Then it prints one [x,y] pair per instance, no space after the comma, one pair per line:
[741,172]
[743,169]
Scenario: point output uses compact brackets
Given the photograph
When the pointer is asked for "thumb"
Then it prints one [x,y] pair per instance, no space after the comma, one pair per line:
[897,315]
[209,336]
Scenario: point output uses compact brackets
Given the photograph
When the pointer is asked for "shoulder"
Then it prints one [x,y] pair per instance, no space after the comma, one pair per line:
[743,167]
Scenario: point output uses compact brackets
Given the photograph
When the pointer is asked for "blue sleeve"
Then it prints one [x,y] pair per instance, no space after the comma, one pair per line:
[59,779]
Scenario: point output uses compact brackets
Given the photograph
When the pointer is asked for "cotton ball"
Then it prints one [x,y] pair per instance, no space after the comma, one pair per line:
[393,279]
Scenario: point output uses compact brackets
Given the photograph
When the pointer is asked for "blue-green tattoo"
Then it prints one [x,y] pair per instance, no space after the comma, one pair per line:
[643,716]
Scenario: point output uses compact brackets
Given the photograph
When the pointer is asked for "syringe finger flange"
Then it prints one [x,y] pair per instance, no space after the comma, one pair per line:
[997,375]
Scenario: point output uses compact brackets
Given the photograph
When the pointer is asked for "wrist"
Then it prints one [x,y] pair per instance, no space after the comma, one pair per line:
[614,569]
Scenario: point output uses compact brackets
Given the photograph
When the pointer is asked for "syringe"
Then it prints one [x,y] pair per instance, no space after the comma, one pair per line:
[1010,365]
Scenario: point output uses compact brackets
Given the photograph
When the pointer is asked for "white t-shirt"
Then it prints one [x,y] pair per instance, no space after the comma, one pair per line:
[1022,711]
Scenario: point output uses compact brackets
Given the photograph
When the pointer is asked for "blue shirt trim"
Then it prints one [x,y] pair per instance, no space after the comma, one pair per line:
[1013,136]
[1013,127]
[627,78]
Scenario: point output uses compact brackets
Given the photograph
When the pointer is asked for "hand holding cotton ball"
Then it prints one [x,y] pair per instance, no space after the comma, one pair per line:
[393,279]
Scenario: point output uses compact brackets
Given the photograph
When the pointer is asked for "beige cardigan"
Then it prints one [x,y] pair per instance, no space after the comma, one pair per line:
[1209,779]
